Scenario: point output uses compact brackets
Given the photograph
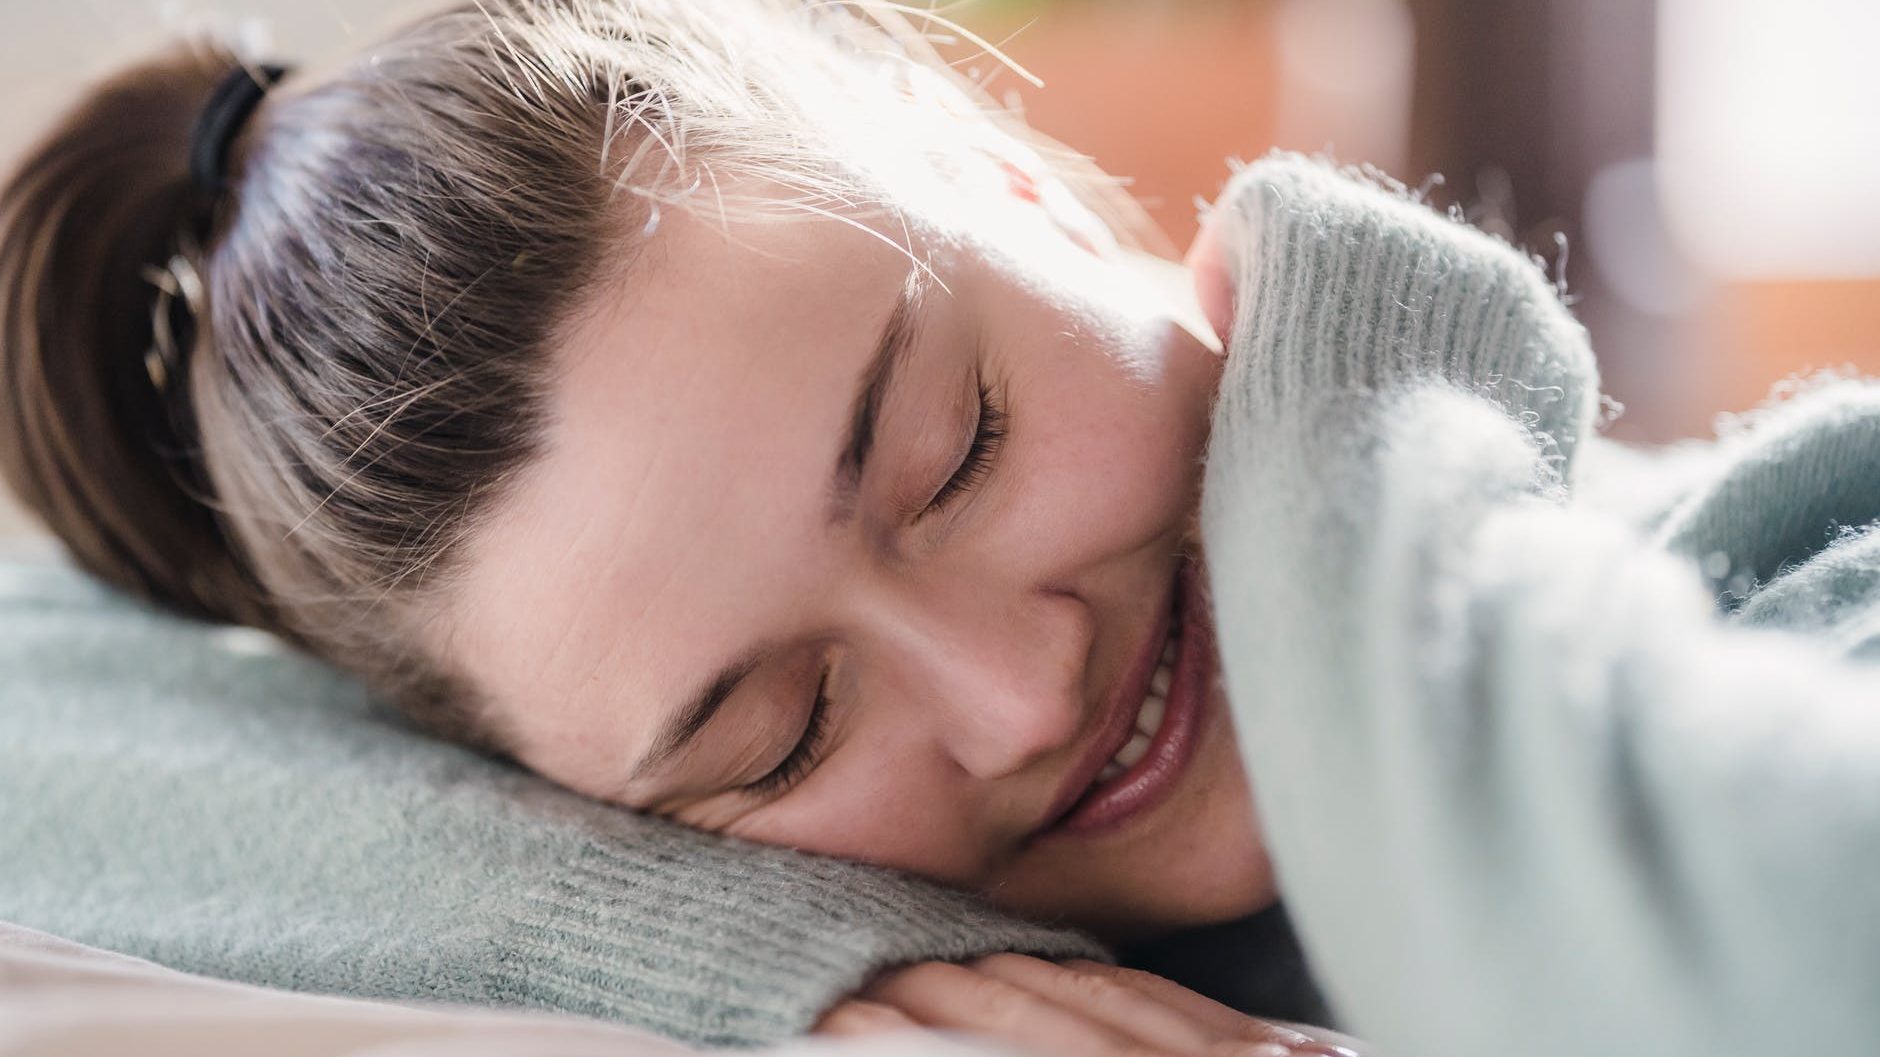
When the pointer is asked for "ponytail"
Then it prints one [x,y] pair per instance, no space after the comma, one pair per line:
[96,433]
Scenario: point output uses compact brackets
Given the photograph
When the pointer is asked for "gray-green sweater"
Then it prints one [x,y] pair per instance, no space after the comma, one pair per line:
[1524,786]
[1532,780]
[200,797]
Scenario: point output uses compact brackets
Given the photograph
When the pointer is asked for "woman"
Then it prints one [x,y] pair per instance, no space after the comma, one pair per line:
[707,407]
[362,421]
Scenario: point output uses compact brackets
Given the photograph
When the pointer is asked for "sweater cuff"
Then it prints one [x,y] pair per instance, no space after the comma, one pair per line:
[736,944]
[1347,283]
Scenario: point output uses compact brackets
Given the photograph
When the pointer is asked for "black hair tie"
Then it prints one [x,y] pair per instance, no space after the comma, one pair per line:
[179,285]
[222,118]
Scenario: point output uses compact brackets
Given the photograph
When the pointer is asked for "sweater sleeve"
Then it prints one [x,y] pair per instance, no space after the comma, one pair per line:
[203,798]
[1525,792]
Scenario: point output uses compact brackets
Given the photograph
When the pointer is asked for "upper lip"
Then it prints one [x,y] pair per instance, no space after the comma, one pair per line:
[1119,715]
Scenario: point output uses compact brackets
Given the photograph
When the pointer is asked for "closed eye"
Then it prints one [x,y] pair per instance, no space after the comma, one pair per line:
[981,454]
[988,437]
[804,756]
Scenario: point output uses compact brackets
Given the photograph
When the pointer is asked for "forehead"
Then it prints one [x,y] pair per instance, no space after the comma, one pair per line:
[694,416]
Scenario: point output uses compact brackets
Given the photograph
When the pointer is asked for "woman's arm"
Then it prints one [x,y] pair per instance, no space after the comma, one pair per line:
[1524,791]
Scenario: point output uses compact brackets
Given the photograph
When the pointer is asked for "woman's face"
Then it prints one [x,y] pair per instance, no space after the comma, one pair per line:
[769,470]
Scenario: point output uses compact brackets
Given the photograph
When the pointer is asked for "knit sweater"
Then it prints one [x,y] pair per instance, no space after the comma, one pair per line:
[1523,786]
[206,799]
[1547,765]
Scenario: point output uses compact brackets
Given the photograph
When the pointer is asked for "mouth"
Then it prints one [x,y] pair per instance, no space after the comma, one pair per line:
[1153,725]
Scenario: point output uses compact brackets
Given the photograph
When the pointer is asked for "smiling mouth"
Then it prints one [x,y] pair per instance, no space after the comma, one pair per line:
[1149,755]
[1149,715]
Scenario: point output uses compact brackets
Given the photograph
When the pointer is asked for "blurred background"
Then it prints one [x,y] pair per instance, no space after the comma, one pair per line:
[1711,166]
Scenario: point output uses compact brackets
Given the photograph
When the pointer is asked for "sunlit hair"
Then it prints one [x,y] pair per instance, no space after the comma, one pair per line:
[374,296]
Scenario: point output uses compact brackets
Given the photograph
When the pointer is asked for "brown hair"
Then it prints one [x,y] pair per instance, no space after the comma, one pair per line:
[363,365]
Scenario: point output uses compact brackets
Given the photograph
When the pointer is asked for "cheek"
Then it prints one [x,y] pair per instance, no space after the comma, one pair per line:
[1120,430]
[885,799]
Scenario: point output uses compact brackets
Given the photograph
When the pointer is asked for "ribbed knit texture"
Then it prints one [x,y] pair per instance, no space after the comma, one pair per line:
[1528,788]
[202,798]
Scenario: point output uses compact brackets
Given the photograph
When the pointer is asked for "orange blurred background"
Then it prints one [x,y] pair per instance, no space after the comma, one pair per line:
[1581,118]
[1710,163]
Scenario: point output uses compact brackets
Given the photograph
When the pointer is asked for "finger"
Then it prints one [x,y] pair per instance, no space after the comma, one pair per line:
[859,1016]
[1243,1048]
[1328,1043]
[1102,998]
[1224,1021]
[953,997]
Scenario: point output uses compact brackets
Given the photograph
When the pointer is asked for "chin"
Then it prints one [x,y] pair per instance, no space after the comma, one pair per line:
[1198,860]
[1216,881]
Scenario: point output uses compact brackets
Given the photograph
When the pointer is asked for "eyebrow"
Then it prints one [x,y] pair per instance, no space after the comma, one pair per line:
[697,714]
[891,350]
[875,380]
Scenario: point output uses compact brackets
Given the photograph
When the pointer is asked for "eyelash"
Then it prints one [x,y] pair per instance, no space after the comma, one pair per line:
[804,757]
[988,437]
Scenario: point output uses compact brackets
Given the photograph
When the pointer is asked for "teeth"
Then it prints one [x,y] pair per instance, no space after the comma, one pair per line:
[1149,720]
[1132,753]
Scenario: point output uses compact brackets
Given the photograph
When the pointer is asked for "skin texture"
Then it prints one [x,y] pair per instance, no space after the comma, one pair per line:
[681,514]
[1080,1008]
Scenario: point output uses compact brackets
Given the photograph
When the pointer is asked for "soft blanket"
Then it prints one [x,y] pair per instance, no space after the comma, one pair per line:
[1549,764]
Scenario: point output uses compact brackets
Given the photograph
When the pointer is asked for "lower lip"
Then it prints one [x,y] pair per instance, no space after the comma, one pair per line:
[1147,783]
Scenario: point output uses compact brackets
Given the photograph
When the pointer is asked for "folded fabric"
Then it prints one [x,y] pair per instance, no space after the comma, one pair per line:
[204,798]
[1537,776]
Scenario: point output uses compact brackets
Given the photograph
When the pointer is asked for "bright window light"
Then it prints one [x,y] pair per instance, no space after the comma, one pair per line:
[1769,135]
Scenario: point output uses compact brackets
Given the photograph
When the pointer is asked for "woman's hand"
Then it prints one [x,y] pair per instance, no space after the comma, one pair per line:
[1077,1009]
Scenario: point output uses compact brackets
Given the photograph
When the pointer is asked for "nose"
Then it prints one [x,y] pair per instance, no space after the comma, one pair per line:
[999,686]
